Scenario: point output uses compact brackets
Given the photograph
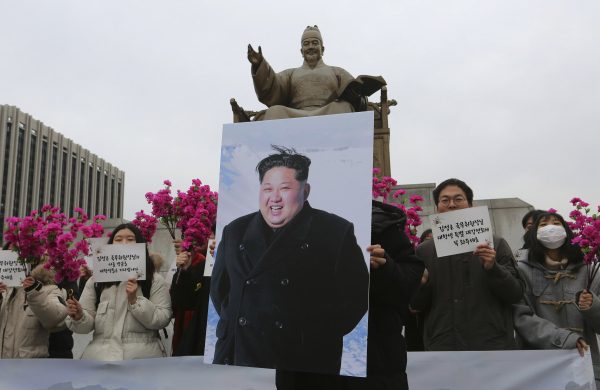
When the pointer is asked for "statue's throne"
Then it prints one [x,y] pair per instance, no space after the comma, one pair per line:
[381,136]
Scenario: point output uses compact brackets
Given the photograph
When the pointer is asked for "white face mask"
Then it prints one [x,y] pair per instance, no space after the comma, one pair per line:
[552,236]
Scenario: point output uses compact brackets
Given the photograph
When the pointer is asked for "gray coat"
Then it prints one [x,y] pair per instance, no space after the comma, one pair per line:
[549,318]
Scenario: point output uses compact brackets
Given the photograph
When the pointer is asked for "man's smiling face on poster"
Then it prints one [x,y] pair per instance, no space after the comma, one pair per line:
[281,196]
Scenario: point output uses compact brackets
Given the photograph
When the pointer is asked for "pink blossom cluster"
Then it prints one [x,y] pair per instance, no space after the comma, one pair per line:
[197,209]
[586,229]
[23,236]
[193,211]
[51,234]
[163,207]
[146,223]
[382,187]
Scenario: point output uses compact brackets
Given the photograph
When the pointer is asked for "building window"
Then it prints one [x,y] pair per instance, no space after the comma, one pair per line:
[81,185]
[43,173]
[89,188]
[53,173]
[73,185]
[98,209]
[31,170]
[18,170]
[63,182]
[5,176]
[105,199]
[112,197]
[119,189]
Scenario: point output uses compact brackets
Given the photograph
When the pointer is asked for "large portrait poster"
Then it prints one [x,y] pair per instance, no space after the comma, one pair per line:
[289,287]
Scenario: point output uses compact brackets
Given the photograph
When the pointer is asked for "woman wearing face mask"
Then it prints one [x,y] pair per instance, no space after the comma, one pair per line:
[125,316]
[553,314]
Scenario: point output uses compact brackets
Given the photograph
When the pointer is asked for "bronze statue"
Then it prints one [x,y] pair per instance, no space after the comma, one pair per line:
[312,89]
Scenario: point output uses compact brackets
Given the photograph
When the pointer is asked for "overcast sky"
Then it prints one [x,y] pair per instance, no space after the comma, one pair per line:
[502,94]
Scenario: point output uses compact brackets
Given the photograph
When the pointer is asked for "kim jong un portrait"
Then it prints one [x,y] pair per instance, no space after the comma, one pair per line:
[289,288]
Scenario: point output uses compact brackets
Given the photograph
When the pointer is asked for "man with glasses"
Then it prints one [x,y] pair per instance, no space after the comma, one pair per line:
[467,298]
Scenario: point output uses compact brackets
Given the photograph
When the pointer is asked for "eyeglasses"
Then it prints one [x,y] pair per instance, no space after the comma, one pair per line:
[457,200]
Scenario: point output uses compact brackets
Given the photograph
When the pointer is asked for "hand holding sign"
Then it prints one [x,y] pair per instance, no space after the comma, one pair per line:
[28,282]
[486,254]
[2,287]
[210,258]
[131,289]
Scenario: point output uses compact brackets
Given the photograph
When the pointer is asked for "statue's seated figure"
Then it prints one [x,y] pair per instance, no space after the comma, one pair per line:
[312,89]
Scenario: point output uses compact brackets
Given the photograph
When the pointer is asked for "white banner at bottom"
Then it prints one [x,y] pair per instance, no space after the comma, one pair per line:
[498,370]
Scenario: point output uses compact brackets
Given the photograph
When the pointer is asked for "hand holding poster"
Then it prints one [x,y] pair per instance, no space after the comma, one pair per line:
[210,260]
[11,271]
[461,231]
[119,262]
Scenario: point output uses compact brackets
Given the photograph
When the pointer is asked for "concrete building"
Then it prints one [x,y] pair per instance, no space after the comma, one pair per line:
[40,166]
[505,213]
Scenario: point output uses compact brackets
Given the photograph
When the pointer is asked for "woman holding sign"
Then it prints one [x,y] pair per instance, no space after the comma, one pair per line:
[29,312]
[125,316]
[558,310]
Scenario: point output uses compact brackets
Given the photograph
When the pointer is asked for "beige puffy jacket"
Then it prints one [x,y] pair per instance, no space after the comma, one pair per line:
[27,318]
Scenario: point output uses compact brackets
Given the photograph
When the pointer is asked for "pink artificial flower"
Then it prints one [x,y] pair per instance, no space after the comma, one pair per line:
[415,198]
[574,201]
[383,187]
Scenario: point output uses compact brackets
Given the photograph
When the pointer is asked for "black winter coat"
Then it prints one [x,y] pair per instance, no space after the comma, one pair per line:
[392,287]
[189,292]
[289,303]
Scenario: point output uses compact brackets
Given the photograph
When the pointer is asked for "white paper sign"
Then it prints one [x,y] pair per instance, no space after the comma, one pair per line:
[95,244]
[119,262]
[12,272]
[210,260]
[461,231]
[521,254]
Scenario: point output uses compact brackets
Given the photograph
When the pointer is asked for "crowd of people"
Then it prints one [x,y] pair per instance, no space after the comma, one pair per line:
[484,300]
[38,318]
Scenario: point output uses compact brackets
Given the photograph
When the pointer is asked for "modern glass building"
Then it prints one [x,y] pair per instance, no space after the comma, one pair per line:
[40,166]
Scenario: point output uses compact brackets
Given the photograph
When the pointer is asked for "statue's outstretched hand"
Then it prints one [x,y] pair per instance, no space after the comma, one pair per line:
[254,57]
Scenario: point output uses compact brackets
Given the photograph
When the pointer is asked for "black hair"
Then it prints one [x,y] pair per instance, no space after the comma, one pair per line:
[537,252]
[288,158]
[533,214]
[527,237]
[146,285]
[424,235]
[453,182]
[6,247]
